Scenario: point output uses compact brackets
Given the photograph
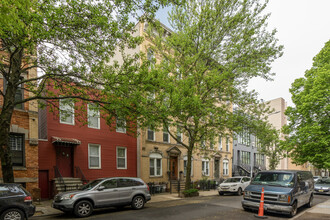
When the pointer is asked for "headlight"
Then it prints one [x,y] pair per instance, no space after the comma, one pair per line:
[284,198]
[234,185]
[69,196]
[247,194]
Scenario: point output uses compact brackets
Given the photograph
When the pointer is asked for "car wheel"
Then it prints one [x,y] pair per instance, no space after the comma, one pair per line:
[220,193]
[310,202]
[12,214]
[138,202]
[239,191]
[83,208]
[294,209]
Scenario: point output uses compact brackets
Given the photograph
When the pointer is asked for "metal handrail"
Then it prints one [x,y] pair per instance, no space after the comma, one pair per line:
[59,177]
[80,174]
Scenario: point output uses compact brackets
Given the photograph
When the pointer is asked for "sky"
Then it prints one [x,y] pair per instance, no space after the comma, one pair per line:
[303,28]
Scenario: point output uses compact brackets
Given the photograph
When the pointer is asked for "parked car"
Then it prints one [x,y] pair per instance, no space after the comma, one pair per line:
[15,202]
[316,178]
[105,192]
[284,191]
[322,186]
[234,185]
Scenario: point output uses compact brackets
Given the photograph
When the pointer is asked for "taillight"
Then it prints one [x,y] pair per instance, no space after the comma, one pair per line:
[28,199]
[148,188]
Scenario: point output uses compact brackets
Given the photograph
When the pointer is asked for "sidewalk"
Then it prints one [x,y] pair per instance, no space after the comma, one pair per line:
[44,208]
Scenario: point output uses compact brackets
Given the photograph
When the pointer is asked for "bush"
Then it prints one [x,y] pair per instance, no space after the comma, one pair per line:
[190,192]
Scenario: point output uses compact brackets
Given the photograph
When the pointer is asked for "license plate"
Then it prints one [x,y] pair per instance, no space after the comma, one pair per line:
[224,189]
[321,190]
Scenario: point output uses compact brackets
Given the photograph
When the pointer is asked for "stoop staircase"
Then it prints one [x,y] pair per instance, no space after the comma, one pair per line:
[175,186]
[63,184]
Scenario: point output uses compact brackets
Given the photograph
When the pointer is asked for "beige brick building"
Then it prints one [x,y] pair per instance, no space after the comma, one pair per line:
[161,159]
[278,119]
[24,138]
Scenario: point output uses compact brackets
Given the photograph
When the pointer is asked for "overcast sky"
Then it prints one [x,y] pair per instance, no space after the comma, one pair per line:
[303,28]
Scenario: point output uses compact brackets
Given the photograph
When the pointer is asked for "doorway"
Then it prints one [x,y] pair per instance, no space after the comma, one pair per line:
[64,160]
[173,168]
[216,168]
[44,184]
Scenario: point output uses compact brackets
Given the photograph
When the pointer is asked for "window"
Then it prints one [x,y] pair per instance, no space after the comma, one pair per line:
[244,137]
[151,58]
[220,143]
[93,113]
[166,136]
[151,134]
[67,111]
[178,134]
[110,184]
[212,144]
[120,125]
[227,144]
[205,167]
[259,159]
[19,95]
[155,164]
[16,142]
[185,162]
[245,157]
[121,158]
[94,156]
[225,168]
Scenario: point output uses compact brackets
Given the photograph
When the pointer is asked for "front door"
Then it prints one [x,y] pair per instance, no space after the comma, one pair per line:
[44,184]
[64,160]
[174,168]
[216,168]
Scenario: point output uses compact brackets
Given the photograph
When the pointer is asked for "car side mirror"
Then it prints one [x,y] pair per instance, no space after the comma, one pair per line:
[101,188]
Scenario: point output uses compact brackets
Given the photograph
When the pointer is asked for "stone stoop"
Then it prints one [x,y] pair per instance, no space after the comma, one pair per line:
[70,183]
[175,184]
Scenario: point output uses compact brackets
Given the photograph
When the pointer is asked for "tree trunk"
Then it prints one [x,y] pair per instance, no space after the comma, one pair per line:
[188,171]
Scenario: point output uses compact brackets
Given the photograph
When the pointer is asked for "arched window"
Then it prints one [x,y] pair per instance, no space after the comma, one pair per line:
[155,164]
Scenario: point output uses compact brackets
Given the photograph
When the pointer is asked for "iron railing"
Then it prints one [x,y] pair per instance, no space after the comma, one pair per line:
[59,177]
[80,174]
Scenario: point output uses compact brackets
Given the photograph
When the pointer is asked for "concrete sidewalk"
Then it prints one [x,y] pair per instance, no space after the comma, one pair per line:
[44,208]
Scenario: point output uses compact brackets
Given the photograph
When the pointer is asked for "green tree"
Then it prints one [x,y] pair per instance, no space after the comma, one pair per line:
[309,120]
[71,42]
[206,63]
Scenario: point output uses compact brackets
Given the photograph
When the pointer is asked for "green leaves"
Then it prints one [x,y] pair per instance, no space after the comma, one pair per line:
[309,125]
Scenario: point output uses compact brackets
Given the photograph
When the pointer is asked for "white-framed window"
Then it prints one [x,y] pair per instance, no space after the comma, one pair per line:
[225,167]
[120,125]
[121,158]
[17,148]
[227,144]
[93,113]
[166,136]
[185,162]
[155,164]
[151,58]
[66,111]
[220,143]
[205,167]
[179,134]
[151,134]
[94,156]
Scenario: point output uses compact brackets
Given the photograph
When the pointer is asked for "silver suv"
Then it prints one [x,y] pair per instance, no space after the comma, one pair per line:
[105,192]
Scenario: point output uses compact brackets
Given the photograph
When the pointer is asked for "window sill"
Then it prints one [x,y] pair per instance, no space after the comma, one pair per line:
[19,168]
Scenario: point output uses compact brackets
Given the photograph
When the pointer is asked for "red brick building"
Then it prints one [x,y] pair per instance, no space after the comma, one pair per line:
[87,148]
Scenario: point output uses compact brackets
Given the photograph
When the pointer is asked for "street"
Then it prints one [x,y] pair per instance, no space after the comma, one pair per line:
[199,208]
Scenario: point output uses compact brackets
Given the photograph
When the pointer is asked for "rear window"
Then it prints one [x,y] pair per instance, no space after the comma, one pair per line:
[274,179]
[11,190]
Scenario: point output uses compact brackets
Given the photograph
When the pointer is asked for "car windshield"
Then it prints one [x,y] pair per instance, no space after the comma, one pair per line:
[232,180]
[90,185]
[323,181]
[274,179]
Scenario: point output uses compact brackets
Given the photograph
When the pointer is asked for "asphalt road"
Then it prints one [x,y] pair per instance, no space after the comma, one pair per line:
[198,208]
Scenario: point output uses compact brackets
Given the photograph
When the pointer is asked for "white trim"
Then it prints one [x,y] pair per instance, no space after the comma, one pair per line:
[156,156]
[99,147]
[120,129]
[207,162]
[125,157]
[94,116]
[225,161]
[153,134]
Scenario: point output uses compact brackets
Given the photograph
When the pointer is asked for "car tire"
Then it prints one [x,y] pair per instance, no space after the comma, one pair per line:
[220,193]
[294,209]
[239,191]
[138,202]
[83,208]
[16,214]
[310,202]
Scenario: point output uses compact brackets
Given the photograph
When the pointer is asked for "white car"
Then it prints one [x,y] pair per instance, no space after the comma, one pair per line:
[234,185]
